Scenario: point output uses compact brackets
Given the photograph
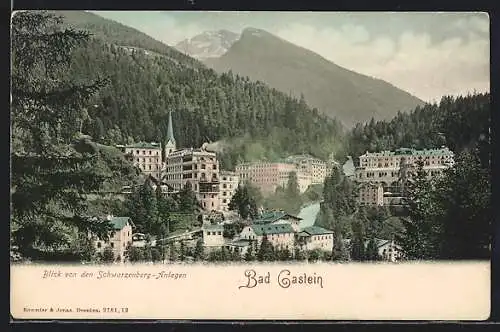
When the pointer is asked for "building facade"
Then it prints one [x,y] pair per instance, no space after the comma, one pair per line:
[316,238]
[228,184]
[281,236]
[371,193]
[388,167]
[315,168]
[267,176]
[213,236]
[199,168]
[146,156]
[120,238]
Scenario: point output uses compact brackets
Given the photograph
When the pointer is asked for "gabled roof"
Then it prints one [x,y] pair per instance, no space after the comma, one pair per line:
[270,217]
[144,145]
[316,230]
[272,229]
[120,222]
[213,227]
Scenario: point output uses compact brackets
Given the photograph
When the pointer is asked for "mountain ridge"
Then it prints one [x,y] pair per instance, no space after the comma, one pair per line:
[336,91]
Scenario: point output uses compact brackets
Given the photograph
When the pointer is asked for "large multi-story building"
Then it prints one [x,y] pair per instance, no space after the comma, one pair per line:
[387,167]
[150,157]
[146,156]
[371,193]
[268,176]
[316,168]
[228,184]
[199,168]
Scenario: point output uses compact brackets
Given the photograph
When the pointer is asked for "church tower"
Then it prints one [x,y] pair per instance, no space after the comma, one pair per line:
[170,144]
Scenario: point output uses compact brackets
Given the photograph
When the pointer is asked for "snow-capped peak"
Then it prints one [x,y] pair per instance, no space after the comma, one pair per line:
[209,44]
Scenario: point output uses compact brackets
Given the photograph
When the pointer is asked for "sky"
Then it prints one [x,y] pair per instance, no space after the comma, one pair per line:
[426,54]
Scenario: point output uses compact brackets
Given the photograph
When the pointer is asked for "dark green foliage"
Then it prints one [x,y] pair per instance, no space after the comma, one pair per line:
[134,254]
[143,209]
[253,120]
[251,252]
[187,199]
[199,253]
[53,165]
[243,202]
[108,255]
[456,122]
[467,211]
[266,251]
[156,255]
[372,251]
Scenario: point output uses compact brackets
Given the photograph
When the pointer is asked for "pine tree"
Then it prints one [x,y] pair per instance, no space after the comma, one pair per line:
[420,239]
[466,213]
[199,250]
[187,199]
[372,251]
[107,255]
[52,167]
[339,252]
[266,250]
[250,253]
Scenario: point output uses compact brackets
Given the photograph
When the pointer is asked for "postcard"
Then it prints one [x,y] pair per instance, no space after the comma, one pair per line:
[250,165]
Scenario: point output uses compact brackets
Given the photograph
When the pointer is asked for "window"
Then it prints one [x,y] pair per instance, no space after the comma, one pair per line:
[112,244]
[219,233]
[149,152]
[214,166]
[202,166]
[99,244]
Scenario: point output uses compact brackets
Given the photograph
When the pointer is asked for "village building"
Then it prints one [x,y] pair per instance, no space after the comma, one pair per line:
[213,236]
[278,217]
[120,238]
[316,238]
[281,236]
[388,250]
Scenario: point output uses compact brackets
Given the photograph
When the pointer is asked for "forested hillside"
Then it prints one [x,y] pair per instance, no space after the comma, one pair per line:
[456,122]
[253,120]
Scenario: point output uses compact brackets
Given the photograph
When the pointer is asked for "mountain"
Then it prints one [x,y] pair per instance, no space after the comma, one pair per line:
[147,79]
[209,44]
[335,91]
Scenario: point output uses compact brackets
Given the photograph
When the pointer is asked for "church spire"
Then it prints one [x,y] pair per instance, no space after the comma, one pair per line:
[170,131]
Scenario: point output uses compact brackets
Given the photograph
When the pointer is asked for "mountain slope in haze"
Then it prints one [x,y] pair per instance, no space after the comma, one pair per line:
[249,120]
[335,91]
[121,35]
[210,44]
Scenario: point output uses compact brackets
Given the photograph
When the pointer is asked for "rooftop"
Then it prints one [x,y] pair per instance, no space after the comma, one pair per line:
[316,230]
[408,151]
[272,229]
[144,145]
[119,222]
[272,216]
